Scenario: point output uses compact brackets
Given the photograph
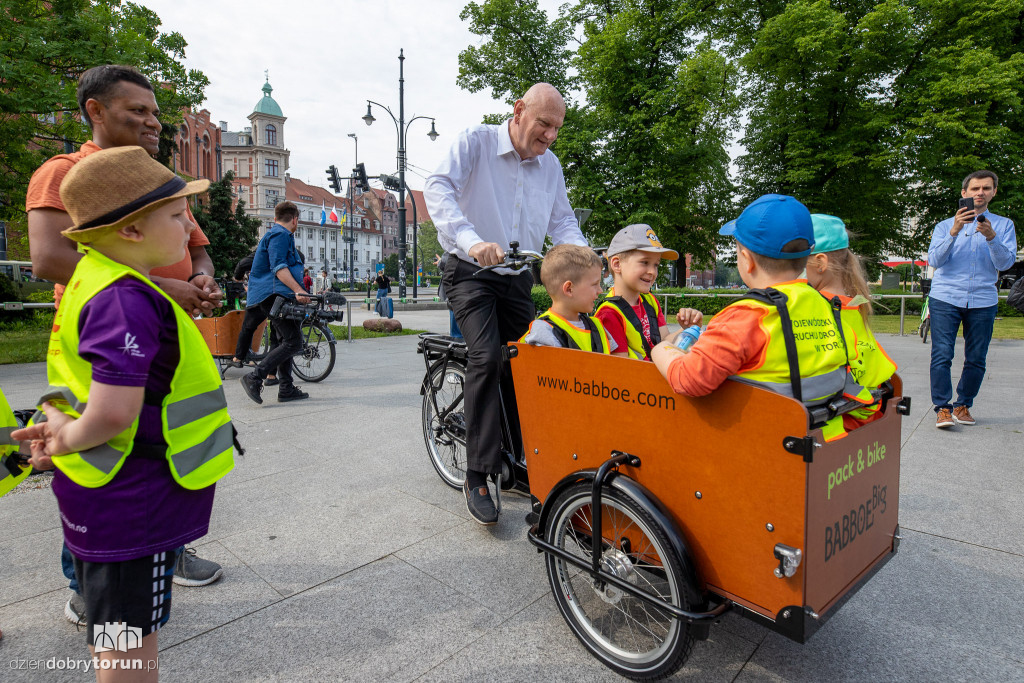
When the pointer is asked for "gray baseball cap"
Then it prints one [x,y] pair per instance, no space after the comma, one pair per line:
[639,236]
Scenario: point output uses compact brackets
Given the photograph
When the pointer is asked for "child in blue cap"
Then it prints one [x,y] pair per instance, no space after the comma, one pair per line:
[835,271]
[747,340]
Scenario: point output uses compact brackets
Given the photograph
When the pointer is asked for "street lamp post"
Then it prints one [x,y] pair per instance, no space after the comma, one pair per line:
[402,128]
[351,224]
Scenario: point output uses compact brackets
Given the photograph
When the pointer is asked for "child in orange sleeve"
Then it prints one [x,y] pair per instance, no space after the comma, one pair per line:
[746,341]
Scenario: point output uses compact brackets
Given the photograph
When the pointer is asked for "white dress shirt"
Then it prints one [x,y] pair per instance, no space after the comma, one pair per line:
[484,192]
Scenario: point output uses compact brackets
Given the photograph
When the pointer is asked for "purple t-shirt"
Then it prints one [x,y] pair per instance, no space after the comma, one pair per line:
[129,334]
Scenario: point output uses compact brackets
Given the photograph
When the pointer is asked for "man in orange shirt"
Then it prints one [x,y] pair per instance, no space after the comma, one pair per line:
[119,106]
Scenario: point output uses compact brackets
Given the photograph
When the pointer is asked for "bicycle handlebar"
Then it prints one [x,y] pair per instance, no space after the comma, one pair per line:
[514,259]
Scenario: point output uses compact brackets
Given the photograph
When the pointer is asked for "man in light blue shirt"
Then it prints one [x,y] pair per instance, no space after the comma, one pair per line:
[967,252]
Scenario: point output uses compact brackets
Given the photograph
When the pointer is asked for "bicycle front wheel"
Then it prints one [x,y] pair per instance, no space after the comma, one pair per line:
[316,359]
[628,635]
[444,422]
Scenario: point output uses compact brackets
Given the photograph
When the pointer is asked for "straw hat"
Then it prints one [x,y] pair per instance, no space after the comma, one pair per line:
[115,187]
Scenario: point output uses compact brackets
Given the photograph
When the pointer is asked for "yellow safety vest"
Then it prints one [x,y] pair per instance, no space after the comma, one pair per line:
[638,349]
[820,363]
[592,338]
[194,416]
[11,473]
[870,365]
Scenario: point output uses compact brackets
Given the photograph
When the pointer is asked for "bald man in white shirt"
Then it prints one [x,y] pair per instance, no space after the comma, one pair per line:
[498,184]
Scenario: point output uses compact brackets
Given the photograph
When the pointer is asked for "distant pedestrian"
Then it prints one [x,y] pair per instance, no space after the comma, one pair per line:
[307,281]
[276,273]
[323,282]
[967,251]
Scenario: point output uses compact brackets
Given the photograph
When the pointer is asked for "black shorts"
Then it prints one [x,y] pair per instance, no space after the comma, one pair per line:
[134,592]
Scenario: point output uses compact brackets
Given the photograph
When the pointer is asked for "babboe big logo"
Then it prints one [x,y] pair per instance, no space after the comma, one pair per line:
[117,636]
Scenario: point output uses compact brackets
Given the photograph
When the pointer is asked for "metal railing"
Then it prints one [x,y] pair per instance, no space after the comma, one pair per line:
[902,297]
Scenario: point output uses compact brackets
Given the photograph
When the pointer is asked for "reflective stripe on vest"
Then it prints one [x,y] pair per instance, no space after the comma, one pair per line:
[193,414]
[638,347]
[575,338]
[870,365]
[820,352]
[11,473]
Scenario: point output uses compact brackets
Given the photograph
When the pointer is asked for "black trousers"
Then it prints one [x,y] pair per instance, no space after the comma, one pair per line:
[253,317]
[491,310]
[289,334]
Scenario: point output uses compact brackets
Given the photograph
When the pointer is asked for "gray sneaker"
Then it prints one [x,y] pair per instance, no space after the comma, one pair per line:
[74,611]
[191,570]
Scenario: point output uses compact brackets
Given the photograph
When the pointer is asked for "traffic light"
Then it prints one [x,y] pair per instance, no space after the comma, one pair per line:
[332,178]
[391,182]
[361,180]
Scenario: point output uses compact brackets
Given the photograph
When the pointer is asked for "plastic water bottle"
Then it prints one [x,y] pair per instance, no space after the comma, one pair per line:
[687,338]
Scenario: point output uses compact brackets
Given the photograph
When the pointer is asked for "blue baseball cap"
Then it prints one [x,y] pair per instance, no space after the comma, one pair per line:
[829,233]
[771,222]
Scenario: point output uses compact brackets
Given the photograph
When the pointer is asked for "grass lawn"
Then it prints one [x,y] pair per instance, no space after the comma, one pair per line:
[29,346]
[1005,328]
[23,346]
[341,332]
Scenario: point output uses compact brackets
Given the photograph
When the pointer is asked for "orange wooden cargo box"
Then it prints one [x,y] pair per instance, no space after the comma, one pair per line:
[737,472]
[221,334]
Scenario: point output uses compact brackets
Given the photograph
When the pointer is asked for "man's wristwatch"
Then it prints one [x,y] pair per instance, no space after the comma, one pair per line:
[194,275]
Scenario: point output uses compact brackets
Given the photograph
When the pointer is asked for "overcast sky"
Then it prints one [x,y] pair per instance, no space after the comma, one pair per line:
[325,60]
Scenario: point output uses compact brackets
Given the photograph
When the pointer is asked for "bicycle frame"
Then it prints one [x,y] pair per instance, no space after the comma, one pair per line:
[440,350]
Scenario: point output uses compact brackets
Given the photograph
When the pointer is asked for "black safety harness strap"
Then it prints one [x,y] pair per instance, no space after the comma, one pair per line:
[568,342]
[631,317]
[774,297]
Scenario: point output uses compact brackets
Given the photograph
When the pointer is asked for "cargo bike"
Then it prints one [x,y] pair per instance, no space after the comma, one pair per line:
[315,359]
[732,501]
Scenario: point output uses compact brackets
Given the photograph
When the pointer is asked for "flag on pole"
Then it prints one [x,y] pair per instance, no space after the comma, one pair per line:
[334,214]
[323,212]
[344,213]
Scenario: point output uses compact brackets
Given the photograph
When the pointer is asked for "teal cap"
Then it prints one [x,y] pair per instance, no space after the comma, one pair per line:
[829,233]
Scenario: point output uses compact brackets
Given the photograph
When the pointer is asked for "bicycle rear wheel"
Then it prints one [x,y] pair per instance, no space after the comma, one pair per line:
[444,430]
[630,636]
[316,359]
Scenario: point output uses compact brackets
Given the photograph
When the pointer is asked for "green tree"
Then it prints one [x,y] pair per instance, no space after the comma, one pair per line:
[391,266]
[958,97]
[44,48]
[646,142]
[874,111]
[429,246]
[232,233]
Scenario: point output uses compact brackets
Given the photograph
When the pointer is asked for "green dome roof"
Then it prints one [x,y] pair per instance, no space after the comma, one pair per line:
[267,105]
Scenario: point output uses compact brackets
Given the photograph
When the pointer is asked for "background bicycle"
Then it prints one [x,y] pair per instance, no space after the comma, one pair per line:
[926,319]
[316,358]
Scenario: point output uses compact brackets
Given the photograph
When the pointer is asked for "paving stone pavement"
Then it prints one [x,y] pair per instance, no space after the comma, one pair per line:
[346,558]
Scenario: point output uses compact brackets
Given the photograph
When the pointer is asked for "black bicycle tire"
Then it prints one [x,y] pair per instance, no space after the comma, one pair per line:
[583,610]
[328,341]
[447,471]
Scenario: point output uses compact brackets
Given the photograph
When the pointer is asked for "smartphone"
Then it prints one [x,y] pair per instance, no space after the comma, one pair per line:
[966,202]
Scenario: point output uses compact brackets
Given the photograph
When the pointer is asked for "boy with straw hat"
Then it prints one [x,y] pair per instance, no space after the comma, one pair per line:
[138,436]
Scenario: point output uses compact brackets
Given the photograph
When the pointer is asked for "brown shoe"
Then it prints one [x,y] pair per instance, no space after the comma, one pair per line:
[943,418]
[963,416]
